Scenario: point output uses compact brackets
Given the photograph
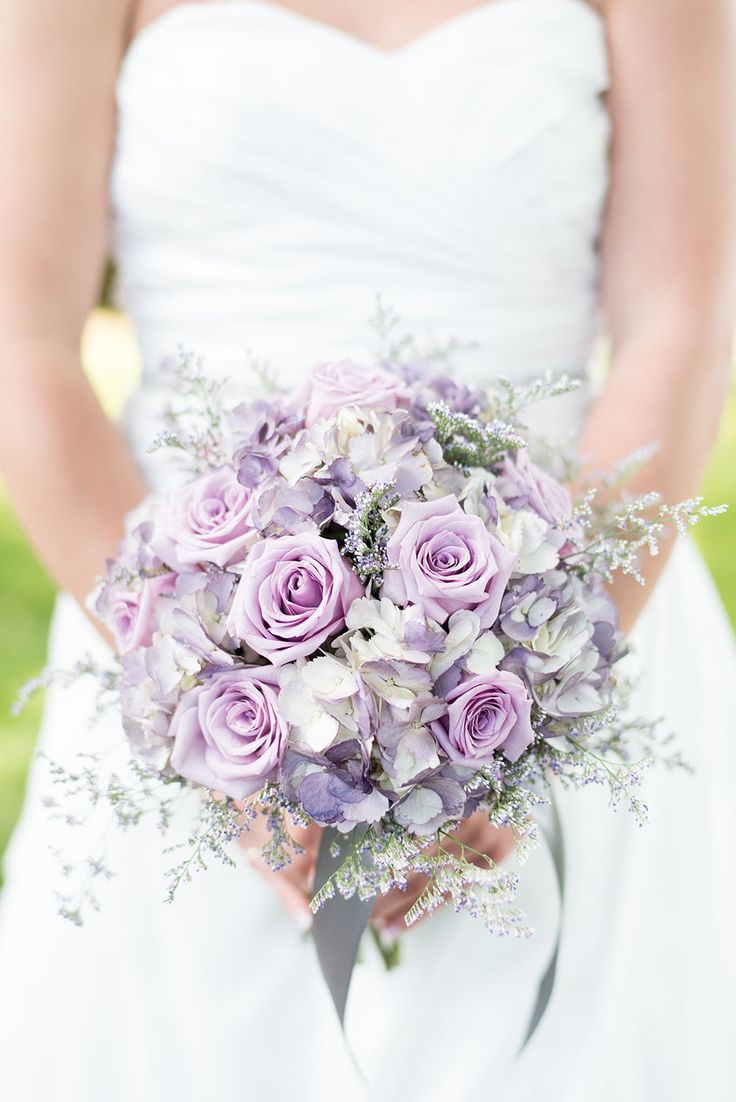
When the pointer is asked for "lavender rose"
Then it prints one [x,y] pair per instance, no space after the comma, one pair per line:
[332,386]
[293,595]
[228,734]
[486,714]
[444,559]
[132,614]
[521,482]
[206,521]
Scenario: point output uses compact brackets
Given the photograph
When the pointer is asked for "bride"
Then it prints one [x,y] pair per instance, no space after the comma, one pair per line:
[519,174]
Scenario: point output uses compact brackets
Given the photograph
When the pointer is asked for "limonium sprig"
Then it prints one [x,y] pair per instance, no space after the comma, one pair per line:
[195,419]
[628,527]
[511,400]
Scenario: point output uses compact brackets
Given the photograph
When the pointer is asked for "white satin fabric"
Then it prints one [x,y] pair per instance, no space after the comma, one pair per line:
[271,176]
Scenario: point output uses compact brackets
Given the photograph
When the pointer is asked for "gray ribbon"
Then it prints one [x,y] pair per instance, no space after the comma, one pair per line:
[339,924]
[551,828]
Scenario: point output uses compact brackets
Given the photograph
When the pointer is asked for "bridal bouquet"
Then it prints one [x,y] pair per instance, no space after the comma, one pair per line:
[366,606]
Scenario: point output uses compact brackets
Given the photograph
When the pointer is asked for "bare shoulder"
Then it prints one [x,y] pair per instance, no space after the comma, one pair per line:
[65,27]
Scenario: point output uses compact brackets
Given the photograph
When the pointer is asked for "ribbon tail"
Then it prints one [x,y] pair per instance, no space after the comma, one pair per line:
[552,832]
[339,923]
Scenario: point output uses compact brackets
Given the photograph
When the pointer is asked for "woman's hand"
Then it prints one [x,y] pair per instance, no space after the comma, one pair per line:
[294,883]
[477,834]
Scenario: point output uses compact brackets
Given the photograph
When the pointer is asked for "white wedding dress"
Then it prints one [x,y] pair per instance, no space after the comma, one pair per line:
[271,176]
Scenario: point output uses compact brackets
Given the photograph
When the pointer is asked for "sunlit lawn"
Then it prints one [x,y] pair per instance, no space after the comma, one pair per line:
[26,594]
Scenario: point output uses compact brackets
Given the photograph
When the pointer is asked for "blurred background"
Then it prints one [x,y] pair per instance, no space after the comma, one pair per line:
[26,592]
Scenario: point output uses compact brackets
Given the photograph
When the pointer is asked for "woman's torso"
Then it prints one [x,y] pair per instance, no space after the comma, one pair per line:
[273,175]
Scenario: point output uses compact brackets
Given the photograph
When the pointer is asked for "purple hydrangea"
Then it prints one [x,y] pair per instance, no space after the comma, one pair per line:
[567,628]
[334,788]
[264,432]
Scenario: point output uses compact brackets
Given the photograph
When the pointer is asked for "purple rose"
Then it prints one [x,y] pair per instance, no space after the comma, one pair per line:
[228,734]
[444,559]
[294,594]
[485,714]
[332,386]
[521,482]
[206,521]
[132,614]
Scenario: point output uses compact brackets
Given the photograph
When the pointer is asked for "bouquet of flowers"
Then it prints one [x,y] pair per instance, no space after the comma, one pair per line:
[365,606]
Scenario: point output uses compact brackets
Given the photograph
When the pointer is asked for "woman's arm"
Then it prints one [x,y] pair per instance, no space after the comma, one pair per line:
[669,245]
[68,470]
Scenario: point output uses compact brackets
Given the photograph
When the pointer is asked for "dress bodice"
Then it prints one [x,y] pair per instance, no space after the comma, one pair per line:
[272,175]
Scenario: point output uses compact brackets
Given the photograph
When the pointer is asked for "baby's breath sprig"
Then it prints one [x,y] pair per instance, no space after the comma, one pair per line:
[686,514]
[396,347]
[86,792]
[392,346]
[383,859]
[280,847]
[218,825]
[483,890]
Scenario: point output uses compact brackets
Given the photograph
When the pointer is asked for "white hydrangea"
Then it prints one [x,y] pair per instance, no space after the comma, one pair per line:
[415,752]
[302,460]
[479,651]
[562,639]
[531,540]
[377,629]
[315,700]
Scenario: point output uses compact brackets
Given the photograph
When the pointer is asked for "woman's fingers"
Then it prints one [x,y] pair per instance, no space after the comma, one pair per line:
[482,842]
[287,889]
[293,883]
[391,909]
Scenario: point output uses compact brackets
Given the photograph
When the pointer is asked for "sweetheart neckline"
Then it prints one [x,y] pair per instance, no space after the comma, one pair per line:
[329,32]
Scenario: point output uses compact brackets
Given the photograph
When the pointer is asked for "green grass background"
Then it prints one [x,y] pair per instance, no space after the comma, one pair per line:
[26,593]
